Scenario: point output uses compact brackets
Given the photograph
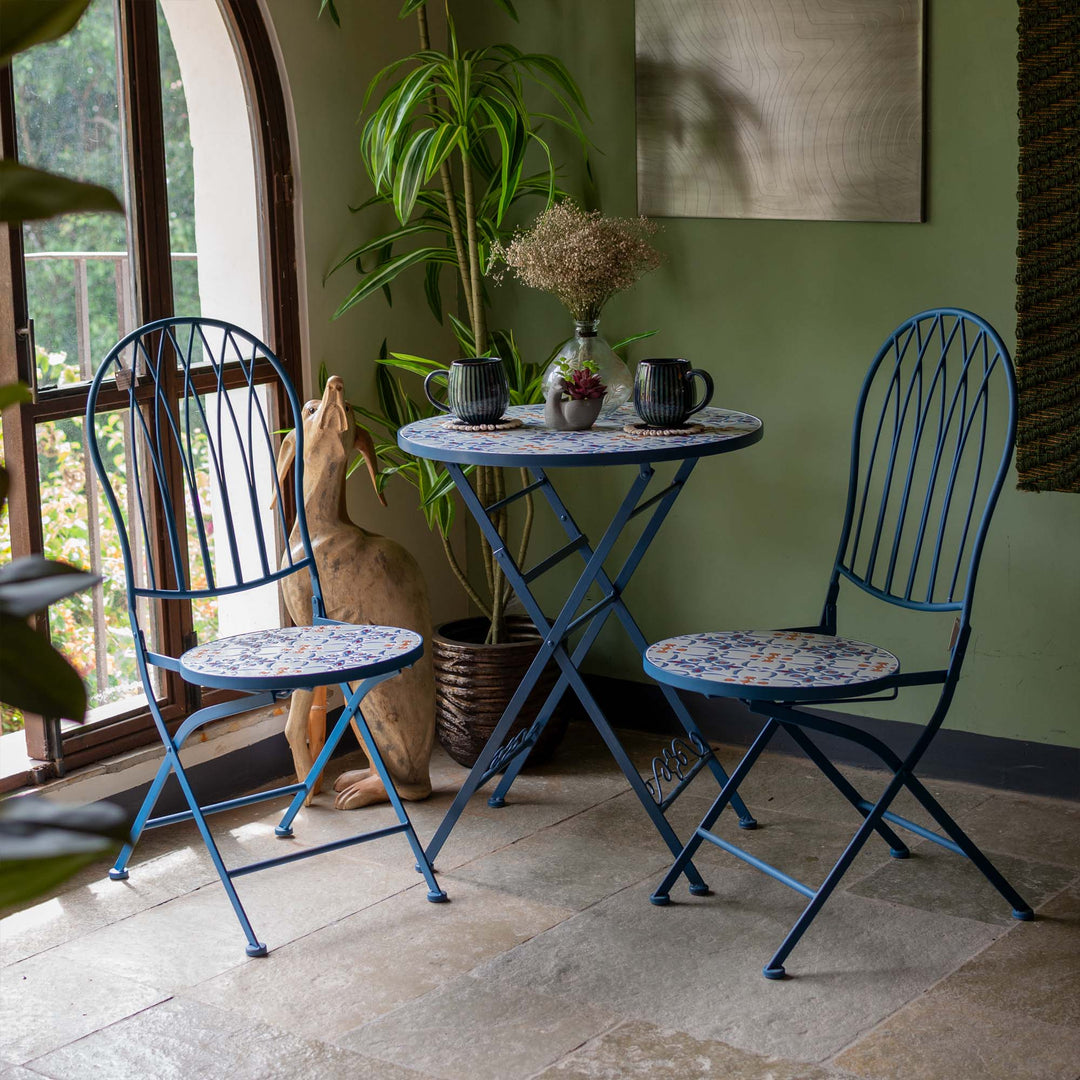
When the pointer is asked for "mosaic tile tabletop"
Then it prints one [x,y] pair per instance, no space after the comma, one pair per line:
[604,443]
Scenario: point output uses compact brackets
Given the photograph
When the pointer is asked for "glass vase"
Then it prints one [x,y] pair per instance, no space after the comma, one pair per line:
[587,345]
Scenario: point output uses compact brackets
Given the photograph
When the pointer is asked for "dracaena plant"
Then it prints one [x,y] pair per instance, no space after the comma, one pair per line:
[452,140]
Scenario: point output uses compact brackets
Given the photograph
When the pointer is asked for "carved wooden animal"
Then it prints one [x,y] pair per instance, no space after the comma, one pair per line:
[366,579]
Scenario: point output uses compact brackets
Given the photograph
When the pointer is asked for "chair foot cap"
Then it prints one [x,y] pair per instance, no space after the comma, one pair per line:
[660,899]
[496,802]
[774,973]
[1023,914]
[283,833]
[118,875]
[899,853]
[747,823]
[258,949]
[700,890]
[437,896]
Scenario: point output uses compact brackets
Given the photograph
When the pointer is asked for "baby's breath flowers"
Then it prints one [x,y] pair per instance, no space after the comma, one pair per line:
[579,256]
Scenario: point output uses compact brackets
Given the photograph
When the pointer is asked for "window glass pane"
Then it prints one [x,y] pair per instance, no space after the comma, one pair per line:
[68,121]
[210,168]
[92,628]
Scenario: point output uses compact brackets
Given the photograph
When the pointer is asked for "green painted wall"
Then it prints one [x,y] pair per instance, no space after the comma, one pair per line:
[786,316]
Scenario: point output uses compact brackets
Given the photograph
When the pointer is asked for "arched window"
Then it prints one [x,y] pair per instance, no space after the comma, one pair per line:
[177,106]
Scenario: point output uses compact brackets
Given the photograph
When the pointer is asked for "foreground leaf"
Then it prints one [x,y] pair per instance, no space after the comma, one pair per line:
[34,677]
[15,393]
[29,22]
[32,583]
[43,843]
[28,194]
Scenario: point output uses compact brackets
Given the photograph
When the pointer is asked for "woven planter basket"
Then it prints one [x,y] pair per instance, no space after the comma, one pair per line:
[474,683]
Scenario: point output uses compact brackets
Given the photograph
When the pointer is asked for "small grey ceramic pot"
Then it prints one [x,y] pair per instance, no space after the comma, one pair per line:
[476,390]
[664,391]
[575,414]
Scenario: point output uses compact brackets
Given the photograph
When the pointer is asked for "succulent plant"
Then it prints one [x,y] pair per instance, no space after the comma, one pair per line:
[581,384]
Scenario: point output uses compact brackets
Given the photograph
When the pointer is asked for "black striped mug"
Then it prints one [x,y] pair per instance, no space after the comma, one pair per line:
[664,391]
[476,390]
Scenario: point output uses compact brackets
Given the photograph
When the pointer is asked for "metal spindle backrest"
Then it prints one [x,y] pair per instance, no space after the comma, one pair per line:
[932,441]
[199,470]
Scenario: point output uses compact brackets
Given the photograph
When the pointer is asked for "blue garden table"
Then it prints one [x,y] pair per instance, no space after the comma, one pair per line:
[538,450]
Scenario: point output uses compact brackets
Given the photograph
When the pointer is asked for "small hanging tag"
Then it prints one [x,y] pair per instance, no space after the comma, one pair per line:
[955,634]
[125,377]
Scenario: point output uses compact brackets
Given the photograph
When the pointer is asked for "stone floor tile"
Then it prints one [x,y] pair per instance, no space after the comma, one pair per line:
[197,936]
[696,965]
[369,963]
[466,1030]
[1043,830]
[641,1051]
[1033,971]
[45,1003]
[184,1040]
[71,914]
[936,879]
[565,869]
[934,1038]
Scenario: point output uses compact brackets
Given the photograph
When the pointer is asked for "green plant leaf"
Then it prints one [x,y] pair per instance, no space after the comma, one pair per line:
[409,7]
[32,583]
[36,678]
[418,365]
[386,272]
[464,336]
[16,393]
[28,194]
[432,292]
[634,337]
[328,5]
[30,22]
[508,7]
[324,377]
[387,239]
[411,173]
[42,843]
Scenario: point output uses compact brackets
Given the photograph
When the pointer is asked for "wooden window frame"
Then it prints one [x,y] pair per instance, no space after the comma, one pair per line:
[149,249]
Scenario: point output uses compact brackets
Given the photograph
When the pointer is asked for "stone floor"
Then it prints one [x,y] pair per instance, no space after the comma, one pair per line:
[549,960]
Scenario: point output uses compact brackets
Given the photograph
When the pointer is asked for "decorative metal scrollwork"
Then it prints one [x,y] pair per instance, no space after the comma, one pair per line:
[675,763]
[512,747]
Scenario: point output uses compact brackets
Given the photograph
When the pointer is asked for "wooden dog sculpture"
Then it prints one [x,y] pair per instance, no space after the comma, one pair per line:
[366,579]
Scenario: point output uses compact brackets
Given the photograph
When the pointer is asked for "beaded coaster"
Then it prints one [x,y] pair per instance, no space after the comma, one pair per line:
[507,423]
[643,431]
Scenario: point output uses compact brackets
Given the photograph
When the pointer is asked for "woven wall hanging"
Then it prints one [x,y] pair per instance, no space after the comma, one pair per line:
[1048,256]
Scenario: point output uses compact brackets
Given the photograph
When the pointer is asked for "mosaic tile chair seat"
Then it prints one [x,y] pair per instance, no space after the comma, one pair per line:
[199,508]
[933,437]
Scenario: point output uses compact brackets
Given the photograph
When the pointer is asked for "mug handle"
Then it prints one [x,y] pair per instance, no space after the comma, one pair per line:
[442,406]
[706,397]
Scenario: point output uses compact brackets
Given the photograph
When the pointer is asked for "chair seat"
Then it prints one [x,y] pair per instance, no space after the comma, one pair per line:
[301,656]
[780,665]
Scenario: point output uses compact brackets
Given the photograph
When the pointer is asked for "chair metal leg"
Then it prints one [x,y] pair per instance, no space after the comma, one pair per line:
[774,969]
[119,871]
[254,946]
[661,896]
[1021,909]
[897,848]
[436,894]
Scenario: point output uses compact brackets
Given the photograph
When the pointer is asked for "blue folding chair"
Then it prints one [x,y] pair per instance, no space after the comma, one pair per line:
[930,450]
[188,481]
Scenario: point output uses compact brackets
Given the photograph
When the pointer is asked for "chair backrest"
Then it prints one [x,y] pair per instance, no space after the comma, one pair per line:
[932,441]
[191,473]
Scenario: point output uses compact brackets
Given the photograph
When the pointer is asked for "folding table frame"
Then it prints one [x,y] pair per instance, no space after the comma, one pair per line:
[677,766]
